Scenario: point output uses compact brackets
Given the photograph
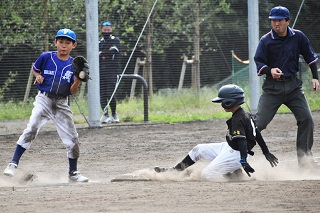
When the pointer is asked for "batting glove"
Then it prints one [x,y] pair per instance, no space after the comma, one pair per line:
[247,168]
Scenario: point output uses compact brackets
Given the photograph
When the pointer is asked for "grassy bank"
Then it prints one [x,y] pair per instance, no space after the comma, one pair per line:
[165,106]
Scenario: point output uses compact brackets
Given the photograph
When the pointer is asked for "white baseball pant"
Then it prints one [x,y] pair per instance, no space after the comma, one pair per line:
[46,109]
[223,159]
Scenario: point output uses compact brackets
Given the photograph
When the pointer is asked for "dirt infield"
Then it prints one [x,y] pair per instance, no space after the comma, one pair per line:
[114,150]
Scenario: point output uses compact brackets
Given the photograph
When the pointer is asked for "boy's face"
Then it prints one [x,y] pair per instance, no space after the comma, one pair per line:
[227,110]
[64,45]
[106,29]
[233,109]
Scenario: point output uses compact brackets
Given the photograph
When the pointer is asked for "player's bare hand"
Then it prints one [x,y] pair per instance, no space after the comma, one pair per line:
[315,84]
[39,79]
[77,80]
[276,73]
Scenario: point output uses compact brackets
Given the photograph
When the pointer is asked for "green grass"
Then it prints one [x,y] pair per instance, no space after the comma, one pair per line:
[172,106]
[15,111]
[167,105]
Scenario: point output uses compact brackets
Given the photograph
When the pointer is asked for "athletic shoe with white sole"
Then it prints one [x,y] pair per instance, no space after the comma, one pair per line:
[11,169]
[76,176]
[107,119]
[115,118]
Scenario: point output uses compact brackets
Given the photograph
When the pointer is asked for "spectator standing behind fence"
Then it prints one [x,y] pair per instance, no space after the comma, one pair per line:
[55,81]
[109,55]
[277,57]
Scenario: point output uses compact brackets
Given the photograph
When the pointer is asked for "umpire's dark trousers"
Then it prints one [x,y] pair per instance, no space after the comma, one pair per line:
[287,91]
[108,81]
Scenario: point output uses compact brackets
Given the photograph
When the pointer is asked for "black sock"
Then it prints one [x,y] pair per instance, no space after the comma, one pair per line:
[73,165]
[185,163]
[17,154]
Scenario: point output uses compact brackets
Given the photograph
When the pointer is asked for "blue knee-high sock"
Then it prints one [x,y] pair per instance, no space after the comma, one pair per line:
[17,154]
[73,164]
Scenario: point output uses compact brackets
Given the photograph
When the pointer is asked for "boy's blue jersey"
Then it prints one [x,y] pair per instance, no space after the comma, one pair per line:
[58,74]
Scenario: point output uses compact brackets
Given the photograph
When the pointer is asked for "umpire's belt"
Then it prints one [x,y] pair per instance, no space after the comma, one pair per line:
[283,78]
[52,96]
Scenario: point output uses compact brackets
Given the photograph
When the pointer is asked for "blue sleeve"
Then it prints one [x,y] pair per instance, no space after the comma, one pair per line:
[260,57]
[306,49]
[39,63]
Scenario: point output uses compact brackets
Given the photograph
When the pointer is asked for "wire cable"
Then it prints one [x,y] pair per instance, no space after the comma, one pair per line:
[134,48]
[295,20]
[80,110]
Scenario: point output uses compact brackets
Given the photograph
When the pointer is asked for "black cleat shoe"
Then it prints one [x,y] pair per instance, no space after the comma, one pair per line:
[162,169]
[235,175]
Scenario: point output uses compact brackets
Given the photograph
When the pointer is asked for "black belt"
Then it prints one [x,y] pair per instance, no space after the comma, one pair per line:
[283,78]
[54,96]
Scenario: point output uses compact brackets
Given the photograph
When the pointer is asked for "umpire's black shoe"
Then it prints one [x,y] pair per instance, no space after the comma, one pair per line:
[308,163]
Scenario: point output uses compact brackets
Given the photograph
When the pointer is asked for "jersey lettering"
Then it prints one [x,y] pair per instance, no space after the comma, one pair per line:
[49,72]
[67,75]
[236,132]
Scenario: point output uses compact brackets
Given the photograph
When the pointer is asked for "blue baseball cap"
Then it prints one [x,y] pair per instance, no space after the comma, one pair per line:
[279,12]
[106,23]
[66,33]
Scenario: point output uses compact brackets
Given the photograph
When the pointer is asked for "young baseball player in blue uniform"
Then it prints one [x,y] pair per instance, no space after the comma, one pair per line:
[277,57]
[227,158]
[55,81]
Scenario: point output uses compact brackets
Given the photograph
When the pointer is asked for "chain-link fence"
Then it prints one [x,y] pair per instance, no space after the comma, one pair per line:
[28,28]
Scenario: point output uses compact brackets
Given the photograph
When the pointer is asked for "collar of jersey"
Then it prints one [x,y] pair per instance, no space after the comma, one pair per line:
[275,36]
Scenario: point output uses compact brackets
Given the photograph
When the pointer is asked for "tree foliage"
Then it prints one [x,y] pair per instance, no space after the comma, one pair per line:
[28,21]
[32,24]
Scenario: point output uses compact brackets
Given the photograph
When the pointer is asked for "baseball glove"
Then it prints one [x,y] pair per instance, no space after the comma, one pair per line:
[81,68]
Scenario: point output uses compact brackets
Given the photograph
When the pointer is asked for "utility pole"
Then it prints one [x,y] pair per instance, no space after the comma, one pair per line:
[196,62]
[149,53]
[46,23]
[253,40]
[93,59]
